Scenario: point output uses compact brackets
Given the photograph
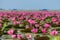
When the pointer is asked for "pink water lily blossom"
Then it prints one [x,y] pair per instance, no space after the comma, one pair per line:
[19,36]
[54,19]
[21,18]
[16,22]
[44,30]
[34,30]
[10,32]
[12,18]
[29,36]
[31,21]
[57,23]
[37,25]
[46,25]
[53,32]
[13,36]
[42,18]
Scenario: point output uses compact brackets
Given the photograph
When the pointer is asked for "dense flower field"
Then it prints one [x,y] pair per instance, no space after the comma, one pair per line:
[42,22]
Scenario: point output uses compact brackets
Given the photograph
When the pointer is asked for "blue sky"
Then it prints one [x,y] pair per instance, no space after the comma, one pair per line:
[30,4]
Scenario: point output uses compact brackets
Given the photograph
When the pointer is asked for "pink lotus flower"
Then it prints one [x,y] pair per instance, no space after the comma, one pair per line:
[21,18]
[54,19]
[19,36]
[56,22]
[37,25]
[46,25]
[53,32]
[28,36]
[13,36]
[34,30]
[42,18]
[10,32]
[12,18]
[31,21]
[43,30]
[16,22]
